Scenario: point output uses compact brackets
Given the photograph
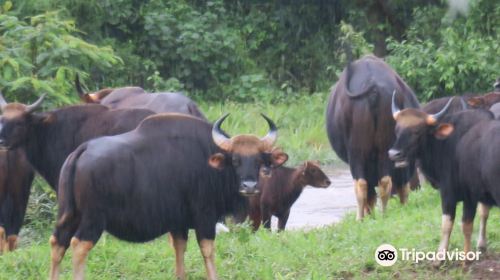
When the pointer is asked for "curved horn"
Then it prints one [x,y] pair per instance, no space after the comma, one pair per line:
[441,113]
[78,86]
[272,135]
[219,138]
[34,106]
[2,101]
[394,107]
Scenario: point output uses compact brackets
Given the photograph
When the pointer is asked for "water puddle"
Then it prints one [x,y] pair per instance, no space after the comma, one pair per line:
[321,207]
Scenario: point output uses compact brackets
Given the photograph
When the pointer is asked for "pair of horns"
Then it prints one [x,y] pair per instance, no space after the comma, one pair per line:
[432,118]
[29,108]
[225,142]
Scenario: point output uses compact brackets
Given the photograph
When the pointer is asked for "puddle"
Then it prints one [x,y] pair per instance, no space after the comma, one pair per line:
[321,207]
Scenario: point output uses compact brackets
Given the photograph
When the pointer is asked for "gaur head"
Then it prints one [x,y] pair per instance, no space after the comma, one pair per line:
[249,155]
[16,120]
[412,128]
[313,175]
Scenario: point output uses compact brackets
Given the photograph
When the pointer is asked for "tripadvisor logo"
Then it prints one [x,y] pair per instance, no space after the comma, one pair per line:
[387,255]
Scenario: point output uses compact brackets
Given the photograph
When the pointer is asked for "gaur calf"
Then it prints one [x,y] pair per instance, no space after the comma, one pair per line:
[280,191]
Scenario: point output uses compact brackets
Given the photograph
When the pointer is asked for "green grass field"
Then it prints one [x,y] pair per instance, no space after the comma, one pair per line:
[344,250]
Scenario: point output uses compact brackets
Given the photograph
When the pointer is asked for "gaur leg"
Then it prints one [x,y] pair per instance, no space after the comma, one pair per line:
[179,241]
[266,216]
[12,242]
[59,243]
[255,217]
[206,236]
[385,188]
[254,212]
[361,190]
[207,248]
[3,241]
[282,220]
[20,199]
[469,212]
[89,231]
[448,218]
[57,251]
[5,214]
[371,200]
[403,193]
[81,249]
[484,211]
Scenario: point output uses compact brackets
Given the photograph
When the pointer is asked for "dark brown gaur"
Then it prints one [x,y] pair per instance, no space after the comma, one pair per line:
[459,154]
[280,191]
[16,176]
[180,173]
[42,141]
[360,129]
[136,97]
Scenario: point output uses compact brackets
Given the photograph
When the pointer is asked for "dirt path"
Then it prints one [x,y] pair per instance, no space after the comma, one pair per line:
[320,207]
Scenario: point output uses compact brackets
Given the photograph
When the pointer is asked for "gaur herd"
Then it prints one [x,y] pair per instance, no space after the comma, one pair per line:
[139,165]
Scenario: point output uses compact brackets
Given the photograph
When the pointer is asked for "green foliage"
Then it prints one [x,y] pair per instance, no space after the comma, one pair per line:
[461,60]
[43,55]
[355,41]
[293,42]
[195,46]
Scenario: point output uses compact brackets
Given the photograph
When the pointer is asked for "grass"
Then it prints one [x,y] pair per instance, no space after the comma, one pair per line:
[344,250]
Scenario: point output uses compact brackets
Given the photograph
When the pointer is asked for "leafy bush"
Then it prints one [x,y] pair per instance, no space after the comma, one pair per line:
[195,46]
[43,55]
[462,59]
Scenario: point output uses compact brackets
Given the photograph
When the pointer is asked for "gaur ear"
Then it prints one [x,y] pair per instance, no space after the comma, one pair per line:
[278,157]
[217,161]
[443,130]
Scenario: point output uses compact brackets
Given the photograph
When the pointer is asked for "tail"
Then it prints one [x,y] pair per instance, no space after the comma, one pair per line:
[66,186]
[195,111]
